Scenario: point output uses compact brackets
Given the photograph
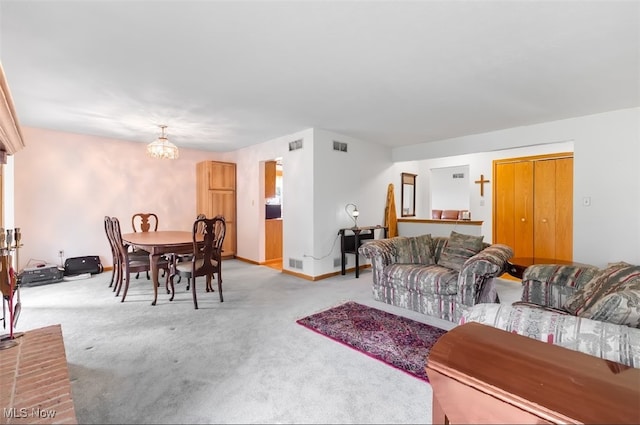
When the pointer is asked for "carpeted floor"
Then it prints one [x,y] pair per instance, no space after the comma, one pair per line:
[398,341]
[242,361]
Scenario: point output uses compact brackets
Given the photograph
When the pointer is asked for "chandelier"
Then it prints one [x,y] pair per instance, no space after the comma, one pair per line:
[162,148]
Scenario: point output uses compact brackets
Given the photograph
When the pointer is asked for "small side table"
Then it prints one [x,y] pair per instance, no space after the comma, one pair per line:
[517,265]
[350,240]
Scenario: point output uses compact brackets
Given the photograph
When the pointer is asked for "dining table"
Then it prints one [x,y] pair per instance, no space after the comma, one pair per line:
[159,243]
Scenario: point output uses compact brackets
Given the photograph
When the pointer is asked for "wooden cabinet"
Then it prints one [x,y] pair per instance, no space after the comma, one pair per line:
[273,239]
[484,375]
[269,179]
[216,194]
[533,205]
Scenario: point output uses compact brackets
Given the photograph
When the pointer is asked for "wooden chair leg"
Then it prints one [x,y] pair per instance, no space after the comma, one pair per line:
[113,276]
[208,287]
[118,278]
[220,286]
[126,287]
[193,291]
[170,283]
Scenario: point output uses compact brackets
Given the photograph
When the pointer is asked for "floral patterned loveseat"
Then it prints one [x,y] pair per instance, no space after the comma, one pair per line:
[582,308]
[437,276]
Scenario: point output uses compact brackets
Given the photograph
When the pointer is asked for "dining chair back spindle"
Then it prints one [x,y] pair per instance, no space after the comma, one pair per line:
[207,256]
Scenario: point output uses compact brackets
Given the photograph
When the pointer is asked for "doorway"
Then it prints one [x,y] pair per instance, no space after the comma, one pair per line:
[273,201]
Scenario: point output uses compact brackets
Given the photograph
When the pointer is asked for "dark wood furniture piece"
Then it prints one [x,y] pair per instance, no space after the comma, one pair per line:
[517,265]
[480,374]
[350,240]
[129,262]
[206,259]
[157,244]
[144,222]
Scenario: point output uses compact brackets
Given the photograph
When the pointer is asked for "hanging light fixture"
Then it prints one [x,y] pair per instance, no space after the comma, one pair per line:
[162,148]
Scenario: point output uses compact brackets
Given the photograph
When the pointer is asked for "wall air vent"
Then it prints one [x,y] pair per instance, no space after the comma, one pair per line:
[295,263]
[339,146]
[337,262]
[296,144]
[458,175]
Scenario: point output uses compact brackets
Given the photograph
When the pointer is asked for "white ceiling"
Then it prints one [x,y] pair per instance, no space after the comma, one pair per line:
[223,74]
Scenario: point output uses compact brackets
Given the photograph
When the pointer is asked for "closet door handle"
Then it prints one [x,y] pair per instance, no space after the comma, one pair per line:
[544,220]
[523,219]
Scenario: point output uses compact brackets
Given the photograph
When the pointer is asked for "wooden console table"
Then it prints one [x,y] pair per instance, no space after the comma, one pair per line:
[480,374]
[349,243]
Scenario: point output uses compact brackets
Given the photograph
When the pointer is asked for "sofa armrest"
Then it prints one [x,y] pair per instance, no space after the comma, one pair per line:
[489,263]
[618,343]
[381,252]
[551,284]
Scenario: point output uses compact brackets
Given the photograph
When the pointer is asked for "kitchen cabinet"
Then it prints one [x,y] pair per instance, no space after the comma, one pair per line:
[273,239]
[270,179]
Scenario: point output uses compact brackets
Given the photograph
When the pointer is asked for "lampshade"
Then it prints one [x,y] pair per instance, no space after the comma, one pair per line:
[162,148]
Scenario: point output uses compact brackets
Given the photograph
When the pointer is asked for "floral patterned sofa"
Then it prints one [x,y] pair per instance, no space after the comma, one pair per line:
[437,276]
[582,308]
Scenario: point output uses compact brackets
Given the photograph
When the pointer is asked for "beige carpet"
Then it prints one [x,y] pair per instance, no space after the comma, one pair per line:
[243,361]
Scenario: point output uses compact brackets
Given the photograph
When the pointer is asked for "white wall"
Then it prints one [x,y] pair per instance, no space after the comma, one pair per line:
[66,183]
[606,168]
[297,208]
[359,176]
[480,163]
[451,194]
[317,184]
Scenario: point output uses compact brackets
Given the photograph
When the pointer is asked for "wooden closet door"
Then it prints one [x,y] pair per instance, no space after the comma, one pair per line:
[533,205]
[524,205]
[504,204]
[513,224]
[544,216]
[564,209]
[553,217]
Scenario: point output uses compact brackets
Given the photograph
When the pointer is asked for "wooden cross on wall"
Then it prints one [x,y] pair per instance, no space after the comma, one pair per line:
[481,182]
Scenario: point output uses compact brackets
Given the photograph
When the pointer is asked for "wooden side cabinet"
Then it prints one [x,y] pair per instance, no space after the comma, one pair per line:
[483,375]
[216,194]
[270,179]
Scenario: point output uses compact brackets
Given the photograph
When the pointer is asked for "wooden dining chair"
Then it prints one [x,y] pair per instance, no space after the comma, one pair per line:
[130,262]
[181,258]
[115,275]
[144,222]
[207,256]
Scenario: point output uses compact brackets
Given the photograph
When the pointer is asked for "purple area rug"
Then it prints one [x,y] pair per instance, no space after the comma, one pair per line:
[400,342]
